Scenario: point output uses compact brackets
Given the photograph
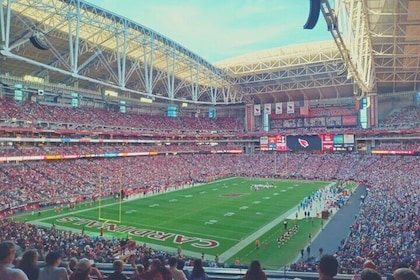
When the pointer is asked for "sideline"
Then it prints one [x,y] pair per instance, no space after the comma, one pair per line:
[245,242]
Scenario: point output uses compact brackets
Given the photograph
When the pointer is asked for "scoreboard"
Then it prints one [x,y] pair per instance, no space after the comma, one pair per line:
[343,142]
[327,142]
[273,143]
[281,143]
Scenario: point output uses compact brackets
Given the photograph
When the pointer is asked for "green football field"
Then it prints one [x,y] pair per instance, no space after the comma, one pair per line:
[224,217]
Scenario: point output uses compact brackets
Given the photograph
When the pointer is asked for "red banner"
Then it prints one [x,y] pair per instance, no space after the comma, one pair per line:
[349,120]
[248,117]
[327,142]
[372,111]
[281,143]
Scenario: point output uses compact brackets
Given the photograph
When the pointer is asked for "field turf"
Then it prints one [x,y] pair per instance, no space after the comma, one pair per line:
[224,217]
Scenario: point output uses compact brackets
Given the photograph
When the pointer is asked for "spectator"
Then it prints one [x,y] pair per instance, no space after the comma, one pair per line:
[118,266]
[175,272]
[327,267]
[370,274]
[82,270]
[198,272]
[153,273]
[71,266]
[255,272]
[52,271]
[369,264]
[28,264]
[94,271]
[405,274]
[138,269]
[7,256]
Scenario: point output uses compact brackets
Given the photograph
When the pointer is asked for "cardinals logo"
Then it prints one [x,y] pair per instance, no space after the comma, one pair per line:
[303,143]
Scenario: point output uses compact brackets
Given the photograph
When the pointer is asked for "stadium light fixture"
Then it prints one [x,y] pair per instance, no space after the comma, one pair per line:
[146,100]
[33,79]
[111,93]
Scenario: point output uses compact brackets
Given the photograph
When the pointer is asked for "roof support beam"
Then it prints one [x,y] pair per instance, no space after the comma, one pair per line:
[170,73]
[349,18]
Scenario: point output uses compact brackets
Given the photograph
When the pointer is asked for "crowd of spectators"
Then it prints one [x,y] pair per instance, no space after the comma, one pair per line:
[397,146]
[405,117]
[385,231]
[76,149]
[322,120]
[31,114]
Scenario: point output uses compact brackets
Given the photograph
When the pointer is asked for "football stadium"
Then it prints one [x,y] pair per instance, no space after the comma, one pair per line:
[125,155]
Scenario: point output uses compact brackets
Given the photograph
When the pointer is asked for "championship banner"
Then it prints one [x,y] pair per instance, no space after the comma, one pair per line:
[290,107]
[257,110]
[267,109]
[248,117]
[279,108]
[372,111]
[304,108]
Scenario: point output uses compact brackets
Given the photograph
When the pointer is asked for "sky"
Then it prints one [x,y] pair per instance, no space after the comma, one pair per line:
[221,29]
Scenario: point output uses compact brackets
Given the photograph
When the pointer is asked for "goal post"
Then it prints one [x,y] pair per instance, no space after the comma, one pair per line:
[102,216]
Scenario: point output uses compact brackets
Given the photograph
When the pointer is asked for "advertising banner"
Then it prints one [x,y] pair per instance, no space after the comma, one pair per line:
[281,143]
[349,120]
[327,142]
[264,143]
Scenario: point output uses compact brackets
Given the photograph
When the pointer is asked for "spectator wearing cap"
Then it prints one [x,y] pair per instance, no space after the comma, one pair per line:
[327,267]
[52,271]
[7,256]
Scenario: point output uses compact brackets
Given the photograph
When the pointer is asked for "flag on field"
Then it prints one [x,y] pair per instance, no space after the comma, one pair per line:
[279,108]
[290,107]
[267,109]
[304,108]
[257,110]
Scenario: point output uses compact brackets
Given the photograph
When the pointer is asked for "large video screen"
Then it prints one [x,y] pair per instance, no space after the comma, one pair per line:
[172,111]
[304,143]
[338,139]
